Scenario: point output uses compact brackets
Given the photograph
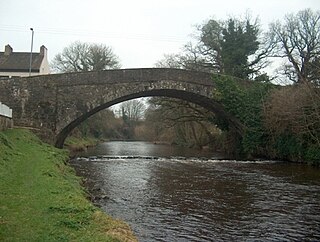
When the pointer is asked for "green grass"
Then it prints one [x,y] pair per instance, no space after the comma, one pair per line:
[41,198]
[79,144]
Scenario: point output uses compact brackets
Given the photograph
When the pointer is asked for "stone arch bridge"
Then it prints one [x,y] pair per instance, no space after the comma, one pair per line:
[55,104]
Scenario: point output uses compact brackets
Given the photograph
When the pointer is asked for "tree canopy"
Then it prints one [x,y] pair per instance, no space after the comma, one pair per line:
[80,56]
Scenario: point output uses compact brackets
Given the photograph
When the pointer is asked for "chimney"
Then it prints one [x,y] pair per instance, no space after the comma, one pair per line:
[7,50]
[43,50]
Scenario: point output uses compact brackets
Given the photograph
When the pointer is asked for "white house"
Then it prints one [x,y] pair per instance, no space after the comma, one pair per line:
[18,63]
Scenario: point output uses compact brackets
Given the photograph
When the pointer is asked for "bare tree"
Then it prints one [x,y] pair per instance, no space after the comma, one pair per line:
[298,40]
[85,57]
[133,110]
[190,60]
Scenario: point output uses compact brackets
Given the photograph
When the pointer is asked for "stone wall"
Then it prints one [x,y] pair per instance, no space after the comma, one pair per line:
[5,123]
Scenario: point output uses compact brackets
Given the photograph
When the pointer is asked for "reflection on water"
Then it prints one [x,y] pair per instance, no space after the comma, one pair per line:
[132,148]
[167,197]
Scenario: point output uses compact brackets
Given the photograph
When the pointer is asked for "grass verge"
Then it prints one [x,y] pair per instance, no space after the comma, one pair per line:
[41,198]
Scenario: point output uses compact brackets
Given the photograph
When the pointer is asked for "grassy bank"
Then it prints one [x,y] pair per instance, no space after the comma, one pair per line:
[41,198]
[79,144]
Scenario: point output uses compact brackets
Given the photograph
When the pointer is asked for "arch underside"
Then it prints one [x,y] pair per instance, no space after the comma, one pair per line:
[200,100]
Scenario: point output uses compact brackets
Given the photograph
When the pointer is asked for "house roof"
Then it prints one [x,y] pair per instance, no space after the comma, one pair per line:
[20,61]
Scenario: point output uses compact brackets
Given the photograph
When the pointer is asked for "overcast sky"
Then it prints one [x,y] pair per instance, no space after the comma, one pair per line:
[140,32]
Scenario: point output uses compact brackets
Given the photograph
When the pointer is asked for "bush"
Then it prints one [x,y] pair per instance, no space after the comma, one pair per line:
[313,155]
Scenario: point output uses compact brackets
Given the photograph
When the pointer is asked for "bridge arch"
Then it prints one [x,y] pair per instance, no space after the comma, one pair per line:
[55,104]
[202,101]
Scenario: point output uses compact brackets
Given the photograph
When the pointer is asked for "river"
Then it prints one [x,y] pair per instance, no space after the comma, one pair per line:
[167,193]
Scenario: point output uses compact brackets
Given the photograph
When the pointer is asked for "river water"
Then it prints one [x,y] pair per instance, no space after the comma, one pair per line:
[169,194]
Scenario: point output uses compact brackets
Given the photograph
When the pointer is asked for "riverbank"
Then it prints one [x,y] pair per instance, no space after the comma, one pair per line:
[42,199]
[76,144]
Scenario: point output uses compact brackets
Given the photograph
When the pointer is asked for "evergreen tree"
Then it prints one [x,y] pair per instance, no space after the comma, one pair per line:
[238,43]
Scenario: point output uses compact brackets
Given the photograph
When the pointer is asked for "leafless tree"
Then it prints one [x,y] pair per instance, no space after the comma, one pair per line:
[297,40]
[85,57]
[133,110]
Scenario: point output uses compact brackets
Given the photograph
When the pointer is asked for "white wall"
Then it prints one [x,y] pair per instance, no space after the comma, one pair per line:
[44,68]
[5,111]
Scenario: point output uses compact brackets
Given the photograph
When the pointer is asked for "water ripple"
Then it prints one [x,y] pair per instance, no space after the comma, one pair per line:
[176,198]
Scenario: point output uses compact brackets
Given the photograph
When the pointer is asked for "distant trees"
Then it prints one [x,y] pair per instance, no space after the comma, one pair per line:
[103,124]
[233,47]
[180,122]
[132,114]
[297,39]
[132,110]
[80,56]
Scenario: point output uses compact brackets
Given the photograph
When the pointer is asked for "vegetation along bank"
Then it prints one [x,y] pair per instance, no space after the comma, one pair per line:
[41,198]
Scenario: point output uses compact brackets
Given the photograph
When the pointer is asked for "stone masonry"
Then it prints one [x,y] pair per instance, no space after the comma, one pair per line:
[56,104]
